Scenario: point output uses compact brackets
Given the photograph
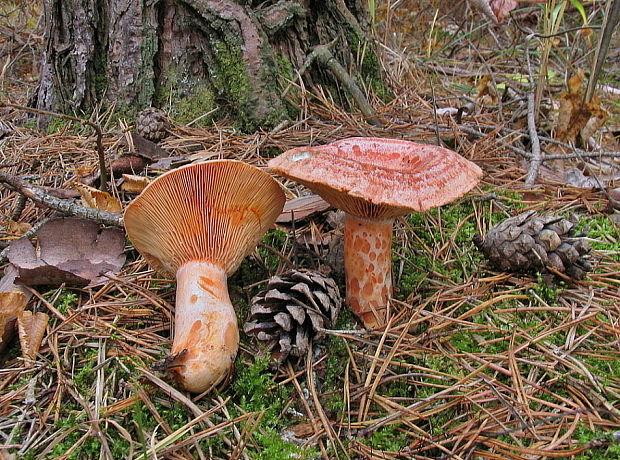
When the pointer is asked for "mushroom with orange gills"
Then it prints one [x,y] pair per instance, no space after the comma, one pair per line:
[374,181]
[197,223]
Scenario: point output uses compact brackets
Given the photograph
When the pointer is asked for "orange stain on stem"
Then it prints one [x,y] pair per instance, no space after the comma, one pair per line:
[206,284]
[368,268]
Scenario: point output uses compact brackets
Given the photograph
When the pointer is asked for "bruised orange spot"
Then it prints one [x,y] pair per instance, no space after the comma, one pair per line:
[367,291]
[193,298]
[355,305]
[354,286]
[378,243]
[195,329]
[384,292]
[231,337]
[206,284]
[372,255]
[357,244]
[205,281]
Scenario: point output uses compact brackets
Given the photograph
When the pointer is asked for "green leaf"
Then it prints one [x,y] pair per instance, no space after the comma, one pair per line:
[579,7]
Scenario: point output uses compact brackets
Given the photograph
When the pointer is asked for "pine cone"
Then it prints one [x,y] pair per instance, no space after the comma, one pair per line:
[292,310]
[529,242]
[152,123]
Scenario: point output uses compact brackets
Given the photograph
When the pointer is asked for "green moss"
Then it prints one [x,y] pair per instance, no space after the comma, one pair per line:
[605,445]
[231,79]
[186,98]
[65,299]
[273,446]
[370,68]
[189,108]
[286,74]
[389,438]
[254,390]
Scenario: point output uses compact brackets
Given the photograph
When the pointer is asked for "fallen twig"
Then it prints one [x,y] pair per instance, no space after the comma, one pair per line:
[537,158]
[66,207]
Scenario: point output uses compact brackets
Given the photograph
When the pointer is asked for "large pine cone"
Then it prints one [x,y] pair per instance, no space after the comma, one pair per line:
[293,309]
[152,123]
[529,242]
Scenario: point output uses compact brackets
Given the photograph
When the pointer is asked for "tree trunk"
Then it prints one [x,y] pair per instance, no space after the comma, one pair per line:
[191,56]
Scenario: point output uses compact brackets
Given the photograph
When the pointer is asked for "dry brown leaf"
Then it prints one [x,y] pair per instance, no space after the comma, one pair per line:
[134,184]
[85,170]
[72,251]
[31,327]
[98,199]
[11,304]
[576,118]
[17,228]
[144,148]
[303,429]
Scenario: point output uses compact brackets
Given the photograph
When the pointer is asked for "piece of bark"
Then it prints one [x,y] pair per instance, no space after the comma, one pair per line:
[302,207]
[128,164]
[144,148]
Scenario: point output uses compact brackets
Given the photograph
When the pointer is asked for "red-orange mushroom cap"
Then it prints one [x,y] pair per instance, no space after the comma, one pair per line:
[197,223]
[380,178]
[375,180]
[214,211]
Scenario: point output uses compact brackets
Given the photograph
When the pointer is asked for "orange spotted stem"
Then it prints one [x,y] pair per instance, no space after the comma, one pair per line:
[206,337]
[368,267]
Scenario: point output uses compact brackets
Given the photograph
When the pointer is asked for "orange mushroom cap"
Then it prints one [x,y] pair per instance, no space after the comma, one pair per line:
[379,178]
[213,212]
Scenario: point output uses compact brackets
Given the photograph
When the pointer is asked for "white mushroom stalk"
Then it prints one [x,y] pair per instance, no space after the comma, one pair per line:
[197,223]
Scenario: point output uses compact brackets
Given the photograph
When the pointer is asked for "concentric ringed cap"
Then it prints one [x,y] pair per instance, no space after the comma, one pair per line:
[379,178]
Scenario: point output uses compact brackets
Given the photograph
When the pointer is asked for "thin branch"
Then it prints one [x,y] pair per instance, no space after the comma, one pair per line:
[322,54]
[103,181]
[537,158]
[66,207]
[20,204]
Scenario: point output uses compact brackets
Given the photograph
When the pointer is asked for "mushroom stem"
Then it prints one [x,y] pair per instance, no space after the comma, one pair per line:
[206,335]
[368,267]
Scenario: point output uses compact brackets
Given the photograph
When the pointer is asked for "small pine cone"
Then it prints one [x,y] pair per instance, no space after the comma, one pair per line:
[529,242]
[152,123]
[292,310]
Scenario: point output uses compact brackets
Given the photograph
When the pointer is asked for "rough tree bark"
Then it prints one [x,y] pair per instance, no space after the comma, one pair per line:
[196,54]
